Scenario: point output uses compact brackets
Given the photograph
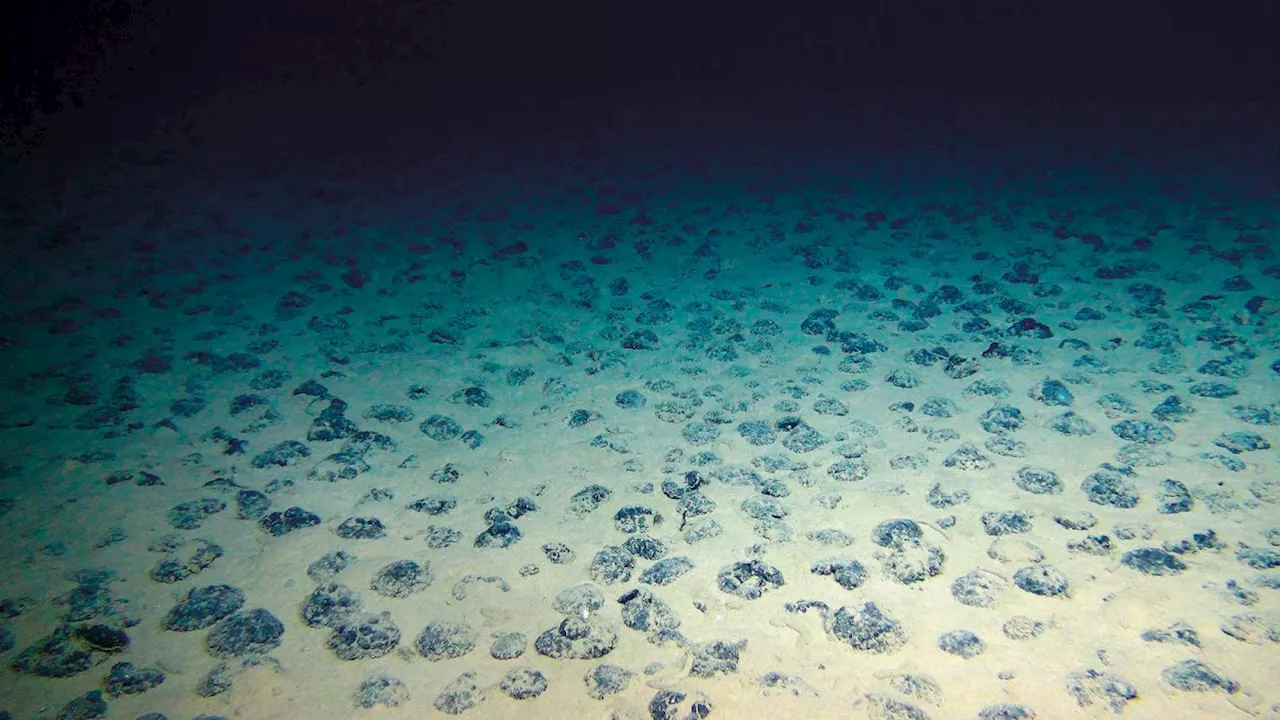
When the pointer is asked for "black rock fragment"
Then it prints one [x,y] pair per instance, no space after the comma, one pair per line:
[330,605]
[1090,687]
[508,646]
[880,705]
[1006,711]
[717,657]
[1241,441]
[128,679]
[913,562]
[819,322]
[645,547]
[612,565]
[1174,498]
[434,506]
[1178,633]
[1029,327]
[1110,487]
[636,519]
[187,559]
[358,528]
[604,680]
[866,628]
[578,600]
[1258,558]
[370,636]
[329,565]
[62,653]
[630,399]
[578,639]
[977,589]
[500,534]
[332,423]
[441,428]
[190,515]
[1053,393]
[749,579]
[1021,627]
[1153,561]
[963,643]
[252,632]
[968,457]
[646,612]
[446,640]
[896,533]
[402,578]
[588,499]
[86,707]
[438,537]
[847,572]
[666,571]
[1195,676]
[558,553]
[392,414]
[204,606]
[1037,481]
[1006,523]
[1043,580]
[284,454]
[282,523]
[251,504]
[215,682]
[757,432]
[1143,431]
[460,695]
[1173,409]
[382,691]
[672,704]
[523,684]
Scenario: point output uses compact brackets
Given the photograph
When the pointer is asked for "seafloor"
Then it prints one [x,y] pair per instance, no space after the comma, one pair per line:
[658,423]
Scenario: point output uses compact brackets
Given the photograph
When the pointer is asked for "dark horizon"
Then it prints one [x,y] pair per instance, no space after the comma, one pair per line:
[135,58]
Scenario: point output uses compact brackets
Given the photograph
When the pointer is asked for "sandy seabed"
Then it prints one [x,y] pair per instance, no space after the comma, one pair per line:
[560,446]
